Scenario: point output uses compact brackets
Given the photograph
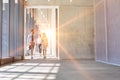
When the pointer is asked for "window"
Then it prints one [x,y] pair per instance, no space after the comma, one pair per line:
[5,29]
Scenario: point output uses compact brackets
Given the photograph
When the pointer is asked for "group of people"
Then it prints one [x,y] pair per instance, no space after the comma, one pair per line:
[40,40]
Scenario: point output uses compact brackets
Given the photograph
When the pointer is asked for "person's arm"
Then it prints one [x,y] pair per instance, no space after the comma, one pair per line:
[28,39]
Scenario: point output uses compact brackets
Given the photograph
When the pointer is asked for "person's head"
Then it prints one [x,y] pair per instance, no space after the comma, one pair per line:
[32,31]
[44,34]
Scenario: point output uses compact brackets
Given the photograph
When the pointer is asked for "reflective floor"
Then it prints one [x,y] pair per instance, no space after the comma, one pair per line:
[38,69]
[30,70]
[38,55]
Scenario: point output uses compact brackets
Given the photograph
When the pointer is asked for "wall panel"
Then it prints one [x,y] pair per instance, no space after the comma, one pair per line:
[97,1]
[0,28]
[27,21]
[12,7]
[11,30]
[113,21]
[76,32]
[100,33]
[5,29]
[17,27]
[107,24]
[21,28]
[76,27]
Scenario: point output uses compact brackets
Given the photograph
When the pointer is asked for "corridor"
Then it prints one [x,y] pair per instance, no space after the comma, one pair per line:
[59,70]
[82,40]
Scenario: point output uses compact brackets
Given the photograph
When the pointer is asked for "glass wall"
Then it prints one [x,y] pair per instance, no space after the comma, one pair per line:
[5,29]
[0,28]
[12,40]
[11,28]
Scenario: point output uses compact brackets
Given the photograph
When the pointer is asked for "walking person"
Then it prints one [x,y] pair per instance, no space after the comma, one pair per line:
[31,42]
[39,43]
[44,44]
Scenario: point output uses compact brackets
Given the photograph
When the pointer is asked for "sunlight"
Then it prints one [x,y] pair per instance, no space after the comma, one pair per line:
[78,66]
[37,76]
[17,64]
[8,75]
[5,78]
[31,64]
[80,16]
[70,0]
[20,69]
[6,68]
[48,32]
[45,69]
[16,1]
[4,3]
[29,71]
[49,64]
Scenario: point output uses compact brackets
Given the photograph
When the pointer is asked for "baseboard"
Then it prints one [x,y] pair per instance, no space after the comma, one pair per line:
[11,60]
[79,59]
[18,58]
[6,60]
[108,63]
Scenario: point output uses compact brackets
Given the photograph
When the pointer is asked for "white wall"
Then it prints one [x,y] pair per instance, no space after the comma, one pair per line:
[76,27]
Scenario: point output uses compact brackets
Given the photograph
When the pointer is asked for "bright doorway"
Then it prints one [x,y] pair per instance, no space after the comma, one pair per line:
[47,20]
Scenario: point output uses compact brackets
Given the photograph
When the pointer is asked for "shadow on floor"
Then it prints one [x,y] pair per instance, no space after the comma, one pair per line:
[59,70]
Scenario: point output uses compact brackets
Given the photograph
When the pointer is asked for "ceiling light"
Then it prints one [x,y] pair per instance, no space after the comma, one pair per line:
[16,1]
[70,0]
[41,12]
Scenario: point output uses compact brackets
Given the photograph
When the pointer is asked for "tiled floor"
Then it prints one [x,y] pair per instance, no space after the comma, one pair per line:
[38,69]
[38,55]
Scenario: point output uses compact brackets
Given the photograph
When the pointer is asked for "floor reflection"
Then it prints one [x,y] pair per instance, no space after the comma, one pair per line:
[27,70]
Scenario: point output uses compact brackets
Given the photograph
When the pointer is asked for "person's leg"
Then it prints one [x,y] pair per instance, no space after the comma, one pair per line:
[39,48]
[44,53]
[32,51]
[28,52]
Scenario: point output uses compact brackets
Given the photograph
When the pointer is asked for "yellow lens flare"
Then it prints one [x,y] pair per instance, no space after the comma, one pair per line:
[80,16]
[78,66]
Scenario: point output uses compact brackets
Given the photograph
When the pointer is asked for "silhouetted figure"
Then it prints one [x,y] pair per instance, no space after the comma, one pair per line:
[31,42]
[39,43]
[38,40]
[44,44]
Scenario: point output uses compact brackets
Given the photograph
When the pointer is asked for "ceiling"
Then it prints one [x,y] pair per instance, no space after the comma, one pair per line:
[60,2]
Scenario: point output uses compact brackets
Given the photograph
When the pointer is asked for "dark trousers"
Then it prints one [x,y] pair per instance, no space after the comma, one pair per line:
[31,47]
[40,48]
[44,53]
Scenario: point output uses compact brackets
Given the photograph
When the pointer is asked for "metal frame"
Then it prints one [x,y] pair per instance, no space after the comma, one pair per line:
[45,7]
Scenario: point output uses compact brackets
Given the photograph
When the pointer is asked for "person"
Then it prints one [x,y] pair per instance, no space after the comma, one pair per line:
[39,43]
[31,42]
[44,44]
[38,39]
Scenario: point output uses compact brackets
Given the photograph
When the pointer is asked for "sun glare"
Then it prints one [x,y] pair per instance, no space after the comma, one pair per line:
[30,71]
